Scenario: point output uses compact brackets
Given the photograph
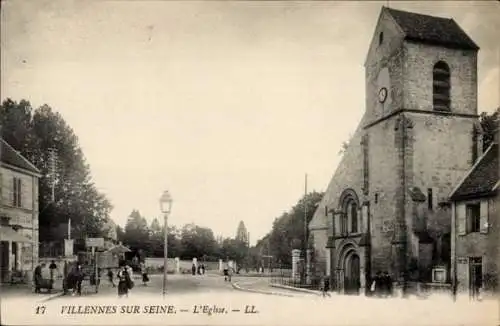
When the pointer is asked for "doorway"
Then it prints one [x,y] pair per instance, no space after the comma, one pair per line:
[475,275]
[4,261]
[352,274]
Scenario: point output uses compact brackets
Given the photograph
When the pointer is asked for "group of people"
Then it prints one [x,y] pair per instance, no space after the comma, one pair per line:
[200,269]
[124,276]
[382,285]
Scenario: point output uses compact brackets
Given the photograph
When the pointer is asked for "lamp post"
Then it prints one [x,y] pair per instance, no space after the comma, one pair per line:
[166,207]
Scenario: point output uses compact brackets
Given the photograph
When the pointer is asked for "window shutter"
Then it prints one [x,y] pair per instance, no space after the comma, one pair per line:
[20,192]
[483,211]
[461,219]
[14,191]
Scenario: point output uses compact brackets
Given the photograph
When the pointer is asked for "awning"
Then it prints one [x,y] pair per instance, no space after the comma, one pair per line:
[9,234]
[118,249]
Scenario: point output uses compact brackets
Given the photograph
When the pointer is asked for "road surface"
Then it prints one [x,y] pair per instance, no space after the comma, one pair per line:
[208,300]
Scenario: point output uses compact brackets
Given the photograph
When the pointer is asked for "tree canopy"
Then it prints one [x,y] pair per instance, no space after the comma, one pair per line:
[33,133]
[489,123]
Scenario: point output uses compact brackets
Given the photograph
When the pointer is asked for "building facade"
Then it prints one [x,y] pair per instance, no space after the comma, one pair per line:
[475,227]
[18,214]
[386,208]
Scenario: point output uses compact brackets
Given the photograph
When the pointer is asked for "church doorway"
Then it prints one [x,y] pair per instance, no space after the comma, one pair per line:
[352,274]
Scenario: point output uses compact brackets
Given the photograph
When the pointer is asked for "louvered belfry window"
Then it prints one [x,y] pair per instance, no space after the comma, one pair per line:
[441,86]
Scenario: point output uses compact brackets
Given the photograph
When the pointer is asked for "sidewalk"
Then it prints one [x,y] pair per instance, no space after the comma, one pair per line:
[8,290]
[263,286]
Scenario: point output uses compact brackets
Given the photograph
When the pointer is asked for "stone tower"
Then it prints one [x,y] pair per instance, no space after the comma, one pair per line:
[386,207]
[421,135]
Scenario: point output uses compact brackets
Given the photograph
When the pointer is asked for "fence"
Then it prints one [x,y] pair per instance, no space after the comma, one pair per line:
[283,275]
[155,265]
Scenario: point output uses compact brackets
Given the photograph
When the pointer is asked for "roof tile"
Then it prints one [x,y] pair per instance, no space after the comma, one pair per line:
[431,29]
[483,178]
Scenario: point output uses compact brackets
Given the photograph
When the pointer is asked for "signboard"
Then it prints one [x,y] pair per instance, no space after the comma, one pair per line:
[94,242]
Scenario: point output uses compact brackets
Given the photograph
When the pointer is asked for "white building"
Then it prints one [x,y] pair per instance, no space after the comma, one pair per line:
[18,214]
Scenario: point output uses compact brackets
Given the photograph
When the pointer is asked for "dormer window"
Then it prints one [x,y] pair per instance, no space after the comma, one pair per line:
[441,86]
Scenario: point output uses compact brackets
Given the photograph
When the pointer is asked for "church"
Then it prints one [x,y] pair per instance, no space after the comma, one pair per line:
[387,206]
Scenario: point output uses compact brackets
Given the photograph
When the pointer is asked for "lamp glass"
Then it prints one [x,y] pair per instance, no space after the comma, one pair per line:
[166,202]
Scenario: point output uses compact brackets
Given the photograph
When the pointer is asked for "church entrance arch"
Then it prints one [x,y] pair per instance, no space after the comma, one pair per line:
[352,274]
[349,271]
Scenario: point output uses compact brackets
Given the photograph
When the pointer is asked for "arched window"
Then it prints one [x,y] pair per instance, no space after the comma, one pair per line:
[441,86]
[354,216]
[343,222]
[348,206]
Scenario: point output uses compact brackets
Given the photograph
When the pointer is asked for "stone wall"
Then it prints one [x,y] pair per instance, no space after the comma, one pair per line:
[419,63]
[383,195]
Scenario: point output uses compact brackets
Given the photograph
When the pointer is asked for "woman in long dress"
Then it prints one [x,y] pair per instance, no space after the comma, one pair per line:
[124,282]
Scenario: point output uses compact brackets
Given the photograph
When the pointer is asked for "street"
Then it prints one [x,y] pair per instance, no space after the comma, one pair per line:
[184,284]
[209,300]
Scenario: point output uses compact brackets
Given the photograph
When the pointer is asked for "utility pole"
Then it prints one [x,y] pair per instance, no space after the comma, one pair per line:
[305,229]
[52,169]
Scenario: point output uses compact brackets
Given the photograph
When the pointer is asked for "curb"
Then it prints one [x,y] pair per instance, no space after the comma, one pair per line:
[53,296]
[295,289]
[238,287]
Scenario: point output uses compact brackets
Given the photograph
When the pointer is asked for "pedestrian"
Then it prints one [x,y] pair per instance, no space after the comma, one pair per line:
[52,268]
[110,277]
[203,269]
[144,272]
[325,285]
[37,277]
[74,280]
[193,269]
[388,284]
[226,272]
[125,282]
[376,284]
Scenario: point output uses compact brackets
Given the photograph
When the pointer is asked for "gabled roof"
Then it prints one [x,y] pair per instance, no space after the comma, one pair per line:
[9,155]
[482,178]
[431,29]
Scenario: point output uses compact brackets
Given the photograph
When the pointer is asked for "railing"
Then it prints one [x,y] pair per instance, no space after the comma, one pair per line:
[283,275]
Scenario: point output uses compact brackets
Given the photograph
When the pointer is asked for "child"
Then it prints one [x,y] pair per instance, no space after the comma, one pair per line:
[325,285]
[145,278]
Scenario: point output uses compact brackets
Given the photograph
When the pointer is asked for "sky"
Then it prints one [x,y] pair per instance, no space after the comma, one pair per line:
[225,104]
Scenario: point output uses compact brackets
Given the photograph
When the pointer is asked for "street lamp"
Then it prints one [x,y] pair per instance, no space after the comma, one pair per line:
[165,207]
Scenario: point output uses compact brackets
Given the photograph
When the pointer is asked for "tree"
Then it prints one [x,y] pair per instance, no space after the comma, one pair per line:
[489,123]
[33,133]
[287,232]
[136,232]
[120,233]
[197,241]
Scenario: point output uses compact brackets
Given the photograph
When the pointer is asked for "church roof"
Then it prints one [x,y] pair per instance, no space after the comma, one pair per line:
[432,30]
[9,155]
[482,178]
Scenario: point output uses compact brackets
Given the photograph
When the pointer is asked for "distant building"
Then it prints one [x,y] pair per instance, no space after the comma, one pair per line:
[241,233]
[18,213]
[387,207]
[476,226]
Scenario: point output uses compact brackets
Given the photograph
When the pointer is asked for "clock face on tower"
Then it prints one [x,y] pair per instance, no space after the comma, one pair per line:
[382,94]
